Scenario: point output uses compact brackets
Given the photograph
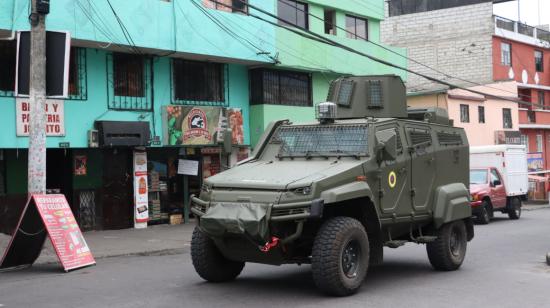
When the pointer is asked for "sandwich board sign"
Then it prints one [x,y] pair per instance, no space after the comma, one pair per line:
[47,215]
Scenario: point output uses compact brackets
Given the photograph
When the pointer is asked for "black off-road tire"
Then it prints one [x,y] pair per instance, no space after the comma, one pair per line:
[339,242]
[209,262]
[484,216]
[448,251]
[514,209]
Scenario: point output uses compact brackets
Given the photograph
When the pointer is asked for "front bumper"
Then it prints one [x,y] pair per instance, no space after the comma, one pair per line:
[279,212]
[476,207]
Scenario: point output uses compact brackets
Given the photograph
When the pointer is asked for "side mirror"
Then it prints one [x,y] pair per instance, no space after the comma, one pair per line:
[386,147]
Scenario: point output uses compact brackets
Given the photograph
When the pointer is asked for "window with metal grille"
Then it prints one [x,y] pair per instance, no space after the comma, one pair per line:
[446,138]
[78,80]
[464,113]
[539,64]
[506,118]
[481,114]
[129,80]
[374,97]
[325,140]
[199,83]
[294,13]
[235,6]
[345,92]
[505,54]
[7,67]
[357,28]
[279,87]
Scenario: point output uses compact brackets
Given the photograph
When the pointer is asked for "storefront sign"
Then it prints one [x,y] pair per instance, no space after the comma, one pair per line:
[235,119]
[47,215]
[192,125]
[141,195]
[188,167]
[507,137]
[80,165]
[55,117]
[535,162]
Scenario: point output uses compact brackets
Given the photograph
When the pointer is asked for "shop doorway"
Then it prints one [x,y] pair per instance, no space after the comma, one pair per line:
[117,189]
[59,173]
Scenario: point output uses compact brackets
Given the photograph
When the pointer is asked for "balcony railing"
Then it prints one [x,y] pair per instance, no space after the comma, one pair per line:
[521,28]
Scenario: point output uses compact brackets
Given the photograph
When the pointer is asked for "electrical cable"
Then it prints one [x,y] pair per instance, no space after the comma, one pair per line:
[125,31]
[311,35]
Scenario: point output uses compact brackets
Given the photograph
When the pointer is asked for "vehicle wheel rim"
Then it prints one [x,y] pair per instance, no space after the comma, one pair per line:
[485,214]
[517,210]
[455,243]
[350,259]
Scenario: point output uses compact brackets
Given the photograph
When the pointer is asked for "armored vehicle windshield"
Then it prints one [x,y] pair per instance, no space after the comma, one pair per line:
[321,140]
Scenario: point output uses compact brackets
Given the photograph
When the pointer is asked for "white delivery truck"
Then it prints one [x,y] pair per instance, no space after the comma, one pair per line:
[498,180]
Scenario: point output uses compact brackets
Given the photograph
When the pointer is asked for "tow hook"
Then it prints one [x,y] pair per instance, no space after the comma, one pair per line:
[270,245]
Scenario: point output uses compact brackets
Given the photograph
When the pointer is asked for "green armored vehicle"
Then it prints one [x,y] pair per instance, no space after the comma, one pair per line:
[370,173]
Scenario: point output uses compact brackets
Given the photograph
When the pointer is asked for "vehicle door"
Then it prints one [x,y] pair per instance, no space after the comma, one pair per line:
[422,165]
[394,184]
[498,190]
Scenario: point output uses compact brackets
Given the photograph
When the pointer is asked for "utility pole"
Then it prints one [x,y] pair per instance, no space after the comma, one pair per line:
[37,101]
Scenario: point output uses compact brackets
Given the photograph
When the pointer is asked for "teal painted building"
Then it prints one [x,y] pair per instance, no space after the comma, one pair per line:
[150,61]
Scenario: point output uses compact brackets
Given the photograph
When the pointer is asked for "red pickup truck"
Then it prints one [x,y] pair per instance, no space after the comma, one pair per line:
[489,195]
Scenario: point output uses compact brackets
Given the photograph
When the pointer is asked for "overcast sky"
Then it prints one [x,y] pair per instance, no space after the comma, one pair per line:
[532,12]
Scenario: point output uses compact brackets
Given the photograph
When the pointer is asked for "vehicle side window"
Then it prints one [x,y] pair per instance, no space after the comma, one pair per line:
[420,139]
[494,176]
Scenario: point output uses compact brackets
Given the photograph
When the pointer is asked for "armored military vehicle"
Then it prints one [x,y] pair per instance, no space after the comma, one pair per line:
[369,173]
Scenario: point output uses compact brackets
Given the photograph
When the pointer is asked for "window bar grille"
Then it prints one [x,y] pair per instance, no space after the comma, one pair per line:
[128,88]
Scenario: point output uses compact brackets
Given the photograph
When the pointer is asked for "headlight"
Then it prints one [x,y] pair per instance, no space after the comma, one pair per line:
[206,188]
[303,190]
[475,197]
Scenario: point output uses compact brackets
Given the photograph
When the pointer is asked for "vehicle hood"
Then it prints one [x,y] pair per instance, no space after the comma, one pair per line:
[279,174]
[477,188]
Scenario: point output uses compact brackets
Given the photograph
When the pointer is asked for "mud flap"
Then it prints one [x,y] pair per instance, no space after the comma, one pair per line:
[247,219]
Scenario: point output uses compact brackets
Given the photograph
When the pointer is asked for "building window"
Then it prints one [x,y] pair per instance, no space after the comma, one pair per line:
[505,54]
[357,28]
[481,114]
[525,142]
[541,99]
[279,87]
[235,6]
[539,143]
[506,118]
[8,50]
[293,12]
[130,77]
[330,22]
[77,74]
[464,113]
[199,83]
[539,64]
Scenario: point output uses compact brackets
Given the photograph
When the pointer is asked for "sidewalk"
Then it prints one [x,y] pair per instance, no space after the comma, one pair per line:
[155,240]
[535,205]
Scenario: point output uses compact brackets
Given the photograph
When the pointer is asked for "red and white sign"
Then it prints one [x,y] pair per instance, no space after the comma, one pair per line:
[55,117]
[67,240]
[141,195]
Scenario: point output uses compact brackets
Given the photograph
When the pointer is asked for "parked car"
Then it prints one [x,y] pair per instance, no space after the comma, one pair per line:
[498,180]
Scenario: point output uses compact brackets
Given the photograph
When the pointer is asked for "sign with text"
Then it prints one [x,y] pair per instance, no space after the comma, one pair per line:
[55,117]
[188,167]
[47,215]
[141,195]
[507,137]
[535,161]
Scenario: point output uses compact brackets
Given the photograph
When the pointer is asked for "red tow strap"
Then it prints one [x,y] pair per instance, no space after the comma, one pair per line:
[269,245]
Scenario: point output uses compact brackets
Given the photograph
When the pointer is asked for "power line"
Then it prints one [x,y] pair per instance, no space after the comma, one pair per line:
[125,32]
[312,35]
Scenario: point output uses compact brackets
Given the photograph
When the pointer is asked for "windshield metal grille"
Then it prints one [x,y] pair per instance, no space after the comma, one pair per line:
[326,140]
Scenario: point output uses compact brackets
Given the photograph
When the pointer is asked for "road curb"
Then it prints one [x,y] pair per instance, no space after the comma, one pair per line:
[536,207]
[161,252]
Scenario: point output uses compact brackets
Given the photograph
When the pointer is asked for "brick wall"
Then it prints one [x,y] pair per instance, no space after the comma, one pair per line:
[457,41]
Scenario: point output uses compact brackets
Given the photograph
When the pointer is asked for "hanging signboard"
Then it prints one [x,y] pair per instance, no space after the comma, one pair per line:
[535,161]
[141,195]
[185,125]
[507,137]
[55,117]
[47,215]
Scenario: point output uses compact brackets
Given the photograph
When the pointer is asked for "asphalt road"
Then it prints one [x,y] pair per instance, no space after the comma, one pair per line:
[504,267]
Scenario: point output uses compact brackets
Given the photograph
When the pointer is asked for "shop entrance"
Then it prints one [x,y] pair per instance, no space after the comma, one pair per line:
[117,189]
[59,173]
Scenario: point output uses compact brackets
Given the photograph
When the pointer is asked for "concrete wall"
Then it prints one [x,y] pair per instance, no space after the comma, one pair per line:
[456,41]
